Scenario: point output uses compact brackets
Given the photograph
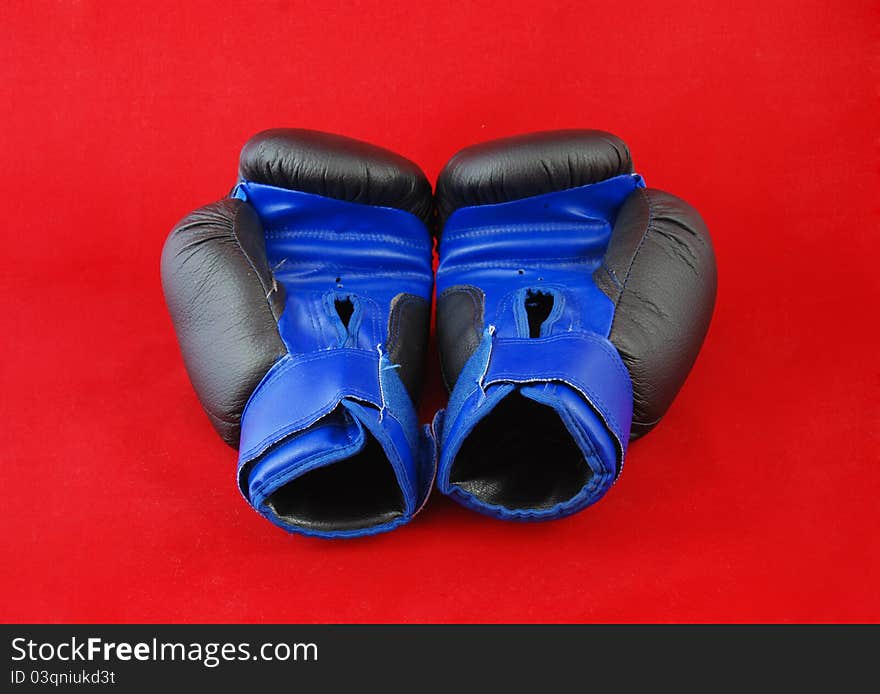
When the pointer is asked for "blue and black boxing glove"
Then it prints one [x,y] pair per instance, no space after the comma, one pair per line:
[571,304]
[302,306]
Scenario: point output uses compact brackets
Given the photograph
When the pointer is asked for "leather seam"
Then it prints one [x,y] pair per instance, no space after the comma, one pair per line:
[250,260]
[609,271]
[223,420]
[641,245]
[515,263]
[323,235]
[524,228]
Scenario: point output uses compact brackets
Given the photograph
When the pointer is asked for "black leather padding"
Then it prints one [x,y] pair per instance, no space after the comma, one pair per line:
[336,167]
[660,272]
[525,165]
[224,304]
[459,328]
[409,328]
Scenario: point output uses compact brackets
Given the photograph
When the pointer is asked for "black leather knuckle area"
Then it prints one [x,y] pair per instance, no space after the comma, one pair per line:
[660,271]
[337,167]
[409,326]
[460,312]
[224,305]
[525,165]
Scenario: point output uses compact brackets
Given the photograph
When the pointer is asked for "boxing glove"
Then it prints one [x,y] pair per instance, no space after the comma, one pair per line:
[302,305]
[572,302]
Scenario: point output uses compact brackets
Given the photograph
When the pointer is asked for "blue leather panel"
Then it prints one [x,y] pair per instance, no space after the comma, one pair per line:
[331,375]
[317,404]
[587,363]
[547,244]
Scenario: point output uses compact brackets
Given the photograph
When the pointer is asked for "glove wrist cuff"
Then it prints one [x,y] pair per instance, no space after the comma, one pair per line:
[563,403]
[331,446]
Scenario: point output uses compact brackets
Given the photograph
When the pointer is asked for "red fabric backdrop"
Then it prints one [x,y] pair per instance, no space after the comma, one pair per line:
[755,499]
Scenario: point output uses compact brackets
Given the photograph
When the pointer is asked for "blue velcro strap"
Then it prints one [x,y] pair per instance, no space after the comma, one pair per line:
[584,361]
[299,390]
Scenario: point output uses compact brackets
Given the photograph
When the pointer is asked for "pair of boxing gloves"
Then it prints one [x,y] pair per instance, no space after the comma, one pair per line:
[571,304]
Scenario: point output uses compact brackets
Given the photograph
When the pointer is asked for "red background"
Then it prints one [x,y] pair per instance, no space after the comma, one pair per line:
[756,498]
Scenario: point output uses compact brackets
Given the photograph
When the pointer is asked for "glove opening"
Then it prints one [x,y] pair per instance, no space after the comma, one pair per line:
[358,492]
[521,457]
[538,306]
[344,309]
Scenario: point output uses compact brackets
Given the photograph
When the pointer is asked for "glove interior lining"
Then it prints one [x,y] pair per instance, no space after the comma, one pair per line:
[358,492]
[520,456]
